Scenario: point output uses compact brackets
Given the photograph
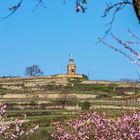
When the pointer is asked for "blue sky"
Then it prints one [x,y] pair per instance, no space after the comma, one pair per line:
[46,36]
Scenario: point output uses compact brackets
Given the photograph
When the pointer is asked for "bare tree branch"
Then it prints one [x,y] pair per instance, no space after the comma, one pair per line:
[39,3]
[80,6]
[133,35]
[131,53]
[13,9]
[120,51]
[135,53]
[116,7]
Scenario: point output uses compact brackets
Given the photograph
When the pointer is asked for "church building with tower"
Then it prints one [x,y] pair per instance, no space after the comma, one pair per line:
[71,67]
[71,70]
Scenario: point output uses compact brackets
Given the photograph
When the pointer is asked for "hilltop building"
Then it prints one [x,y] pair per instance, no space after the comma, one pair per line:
[71,67]
[71,70]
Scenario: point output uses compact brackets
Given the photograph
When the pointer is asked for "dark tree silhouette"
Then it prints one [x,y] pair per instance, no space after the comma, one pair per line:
[33,70]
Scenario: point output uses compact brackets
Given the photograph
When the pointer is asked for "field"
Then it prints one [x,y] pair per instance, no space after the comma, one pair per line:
[45,100]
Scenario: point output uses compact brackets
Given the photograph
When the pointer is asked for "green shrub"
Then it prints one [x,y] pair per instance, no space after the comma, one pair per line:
[101,96]
[33,102]
[74,80]
[85,105]
[85,77]
[41,134]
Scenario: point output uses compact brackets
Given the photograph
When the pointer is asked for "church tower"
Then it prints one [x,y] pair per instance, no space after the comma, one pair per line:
[71,67]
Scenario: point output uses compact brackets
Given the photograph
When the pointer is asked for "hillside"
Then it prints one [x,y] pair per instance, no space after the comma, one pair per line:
[45,99]
[43,89]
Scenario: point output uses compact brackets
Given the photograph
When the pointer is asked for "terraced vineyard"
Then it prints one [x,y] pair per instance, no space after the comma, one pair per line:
[44,100]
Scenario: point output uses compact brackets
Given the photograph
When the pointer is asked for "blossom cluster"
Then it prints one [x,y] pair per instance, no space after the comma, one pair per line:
[80,5]
[14,128]
[3,125]
[89,126]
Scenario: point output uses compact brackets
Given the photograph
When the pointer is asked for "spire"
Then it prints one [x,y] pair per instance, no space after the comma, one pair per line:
[71,67]
[70,55]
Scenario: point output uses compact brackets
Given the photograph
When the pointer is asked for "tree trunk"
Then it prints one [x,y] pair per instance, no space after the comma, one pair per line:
[136,4]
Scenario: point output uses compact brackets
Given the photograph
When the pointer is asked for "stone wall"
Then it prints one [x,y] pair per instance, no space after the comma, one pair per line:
[33,84]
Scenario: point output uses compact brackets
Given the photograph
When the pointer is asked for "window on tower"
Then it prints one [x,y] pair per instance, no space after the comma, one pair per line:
[72,70]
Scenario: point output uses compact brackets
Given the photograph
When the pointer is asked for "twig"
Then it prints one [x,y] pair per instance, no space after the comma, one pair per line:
[39,3]
[119,51]
[126,46]
[133,43]
[13,9]
[117,7]
[133,35]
